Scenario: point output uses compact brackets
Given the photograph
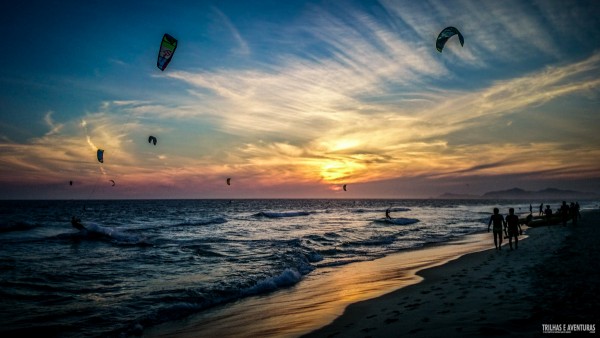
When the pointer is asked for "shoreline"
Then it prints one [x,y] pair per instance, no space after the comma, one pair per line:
[321,296]
[551,279]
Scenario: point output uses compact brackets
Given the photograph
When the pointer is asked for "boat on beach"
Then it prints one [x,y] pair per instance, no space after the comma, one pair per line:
[536,221]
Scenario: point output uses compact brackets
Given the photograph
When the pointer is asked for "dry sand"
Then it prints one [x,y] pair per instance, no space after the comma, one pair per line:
[552,278]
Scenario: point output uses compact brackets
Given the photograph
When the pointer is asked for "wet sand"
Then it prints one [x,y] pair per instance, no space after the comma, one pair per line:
[551,279]
[457,289]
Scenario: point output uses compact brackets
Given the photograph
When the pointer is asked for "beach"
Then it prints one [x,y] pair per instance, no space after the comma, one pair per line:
[551,280]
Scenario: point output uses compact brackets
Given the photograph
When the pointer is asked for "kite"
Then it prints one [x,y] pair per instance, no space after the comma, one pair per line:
[345,188]
[446,34]
[100,155]
[70,182]
[229,181]
[113,182]
[152,139]
[167,49]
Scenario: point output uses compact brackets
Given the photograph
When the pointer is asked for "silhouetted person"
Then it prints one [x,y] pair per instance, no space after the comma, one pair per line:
[514,228]
[387,213]
[577,208]
[573,213]
[541,209]
[498,221]
[530,209]
[564,213]
[548,213]
[76,223]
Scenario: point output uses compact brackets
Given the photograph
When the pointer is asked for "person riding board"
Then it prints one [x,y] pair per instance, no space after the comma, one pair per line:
[387,213]
[76,223]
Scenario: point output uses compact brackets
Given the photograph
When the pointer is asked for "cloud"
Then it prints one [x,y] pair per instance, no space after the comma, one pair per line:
[366,107]
[54,128]
[368,98]
[243,47]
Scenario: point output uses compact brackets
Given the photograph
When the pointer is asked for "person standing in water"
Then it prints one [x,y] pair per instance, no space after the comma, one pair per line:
[499,223]
[387,213]
[514,228]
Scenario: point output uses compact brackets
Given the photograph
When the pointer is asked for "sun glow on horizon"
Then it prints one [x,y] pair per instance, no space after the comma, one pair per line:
[335,170]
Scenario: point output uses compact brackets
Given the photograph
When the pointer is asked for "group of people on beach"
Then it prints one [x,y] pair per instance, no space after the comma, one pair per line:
[510,225]
[565,211]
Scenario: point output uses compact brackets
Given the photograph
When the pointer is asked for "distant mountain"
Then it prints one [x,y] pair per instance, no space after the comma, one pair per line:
[450,196]
[518,193]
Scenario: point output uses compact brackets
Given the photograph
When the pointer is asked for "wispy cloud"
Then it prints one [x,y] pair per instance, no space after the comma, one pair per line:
[54,127]
[243,47]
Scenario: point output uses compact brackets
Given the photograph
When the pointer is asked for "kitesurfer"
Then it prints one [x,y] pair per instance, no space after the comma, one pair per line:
[387,213]
[76,223]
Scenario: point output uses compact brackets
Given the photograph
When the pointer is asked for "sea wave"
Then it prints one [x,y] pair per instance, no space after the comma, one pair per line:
[270,214]
[209,221]
[373,241]
[199,300]
[16,226]
[96,231]
[397,221]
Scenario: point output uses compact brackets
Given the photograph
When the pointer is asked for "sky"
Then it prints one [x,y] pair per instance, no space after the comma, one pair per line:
[294,99]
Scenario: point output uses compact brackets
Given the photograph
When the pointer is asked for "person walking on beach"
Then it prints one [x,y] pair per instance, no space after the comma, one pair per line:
[514,228]
[499,222]
[548,212]
[541,209]
[573,213]
[564,213]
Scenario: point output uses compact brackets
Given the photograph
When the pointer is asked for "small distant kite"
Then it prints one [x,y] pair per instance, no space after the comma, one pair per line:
[100,155]
[152,139]
[345,188]
[229,181]
[167,49]
[446,34]
[70,182]
[113,182]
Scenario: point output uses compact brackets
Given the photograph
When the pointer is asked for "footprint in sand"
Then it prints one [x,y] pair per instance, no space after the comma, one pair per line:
[391,320]
[412,306]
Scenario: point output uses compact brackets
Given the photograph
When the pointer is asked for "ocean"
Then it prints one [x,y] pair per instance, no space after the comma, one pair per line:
[141,263]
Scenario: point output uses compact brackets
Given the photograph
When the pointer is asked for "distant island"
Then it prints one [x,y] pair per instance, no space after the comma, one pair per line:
[517,193]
